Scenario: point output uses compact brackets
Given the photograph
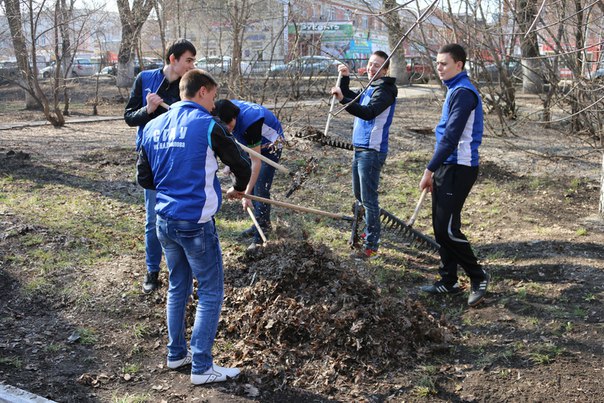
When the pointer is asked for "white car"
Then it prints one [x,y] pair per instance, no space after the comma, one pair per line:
[215,64]
[81,67]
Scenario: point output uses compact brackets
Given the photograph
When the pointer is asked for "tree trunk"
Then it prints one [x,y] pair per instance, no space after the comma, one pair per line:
[239,18]
[398,66]
[601,209]
[132,22]
[532,82]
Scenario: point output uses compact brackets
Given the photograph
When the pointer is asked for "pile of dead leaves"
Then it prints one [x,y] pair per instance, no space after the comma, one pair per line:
[298,316]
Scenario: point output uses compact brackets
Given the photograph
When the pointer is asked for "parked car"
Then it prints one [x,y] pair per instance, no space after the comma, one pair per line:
[9,71]
[148,64]
[214,64]
[491,72]
[306,66]
[81,67]
[107,71]
[599,74]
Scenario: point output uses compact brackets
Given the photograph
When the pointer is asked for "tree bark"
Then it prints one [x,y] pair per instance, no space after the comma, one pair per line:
[132,22]
[398,66]
[526,12]
[601,209]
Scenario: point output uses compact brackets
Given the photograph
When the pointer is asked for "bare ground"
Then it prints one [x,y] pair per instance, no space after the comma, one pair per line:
[304,321]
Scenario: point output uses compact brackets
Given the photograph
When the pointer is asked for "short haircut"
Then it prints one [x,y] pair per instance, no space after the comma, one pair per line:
[192,82]
[225,110]
[457,52]
[178,47]
[384,56]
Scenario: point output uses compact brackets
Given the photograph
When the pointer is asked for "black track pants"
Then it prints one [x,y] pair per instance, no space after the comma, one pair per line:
[451,186]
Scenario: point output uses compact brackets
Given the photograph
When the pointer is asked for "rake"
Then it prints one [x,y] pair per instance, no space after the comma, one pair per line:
[401,228]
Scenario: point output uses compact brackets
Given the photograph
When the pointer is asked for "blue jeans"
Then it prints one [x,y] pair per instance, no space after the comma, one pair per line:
[262,188]
[366,167]
[192,251]
[152,245]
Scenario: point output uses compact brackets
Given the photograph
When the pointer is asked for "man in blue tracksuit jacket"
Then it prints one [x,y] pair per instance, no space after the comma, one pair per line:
[373,116]
[178,159]
[258,128]
[150,89]
[451,173]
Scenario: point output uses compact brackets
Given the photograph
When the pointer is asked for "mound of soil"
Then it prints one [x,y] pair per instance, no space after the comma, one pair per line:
[302,318]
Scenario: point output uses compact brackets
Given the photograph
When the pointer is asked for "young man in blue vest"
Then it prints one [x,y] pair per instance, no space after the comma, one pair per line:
[373,113]
[451,173]
[258,128]
[178,159]
[150,89]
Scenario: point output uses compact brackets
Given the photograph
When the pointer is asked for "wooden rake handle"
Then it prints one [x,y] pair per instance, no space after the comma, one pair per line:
[253,217]
[333,104]
[272,163]
[418,206]
[298,208]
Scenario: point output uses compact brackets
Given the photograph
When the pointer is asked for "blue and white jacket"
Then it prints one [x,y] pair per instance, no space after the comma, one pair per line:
[250,113]
[178,158]
[373,112]
[459,131]
[153,81]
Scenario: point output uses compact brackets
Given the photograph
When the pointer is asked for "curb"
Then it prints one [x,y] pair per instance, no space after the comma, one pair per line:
[11,394]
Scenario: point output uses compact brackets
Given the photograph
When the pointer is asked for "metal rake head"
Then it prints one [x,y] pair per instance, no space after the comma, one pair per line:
[413,236]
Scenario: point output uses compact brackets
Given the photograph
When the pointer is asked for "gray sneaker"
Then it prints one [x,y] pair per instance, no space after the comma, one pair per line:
[478,291]
[441,288]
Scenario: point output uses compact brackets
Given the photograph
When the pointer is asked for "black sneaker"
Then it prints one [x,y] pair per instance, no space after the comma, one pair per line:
[478,291]
[441,288]
[151,282]
[248,233]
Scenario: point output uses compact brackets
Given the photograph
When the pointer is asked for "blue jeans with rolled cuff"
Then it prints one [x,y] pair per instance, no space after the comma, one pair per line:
[192,251]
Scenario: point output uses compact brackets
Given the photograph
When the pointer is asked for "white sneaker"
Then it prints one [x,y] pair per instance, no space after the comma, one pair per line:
[182,362]
[215,374]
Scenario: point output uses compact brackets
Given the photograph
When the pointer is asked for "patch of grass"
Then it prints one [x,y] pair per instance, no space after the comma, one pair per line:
[579,312]
[87,336]
[36,285]
[32,239]
[140,330]
[130,398]
[521,292]
[425,387]
[545,354]
[53,348]
[11,362]
[590,298]
[131,369]
[581,232]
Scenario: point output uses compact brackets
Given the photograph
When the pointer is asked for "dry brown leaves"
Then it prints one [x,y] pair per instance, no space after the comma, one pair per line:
[300,317]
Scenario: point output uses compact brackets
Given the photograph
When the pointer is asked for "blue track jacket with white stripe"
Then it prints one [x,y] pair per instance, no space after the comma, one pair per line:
[250,113]
[180,148]
[459,132]
[373,112]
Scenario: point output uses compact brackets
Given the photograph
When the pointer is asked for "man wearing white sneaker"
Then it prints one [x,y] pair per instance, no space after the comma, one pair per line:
[178,159]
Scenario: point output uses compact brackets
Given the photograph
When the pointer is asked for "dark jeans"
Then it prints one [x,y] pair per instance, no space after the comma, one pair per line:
[262,211]
[451,186]
[366,168]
